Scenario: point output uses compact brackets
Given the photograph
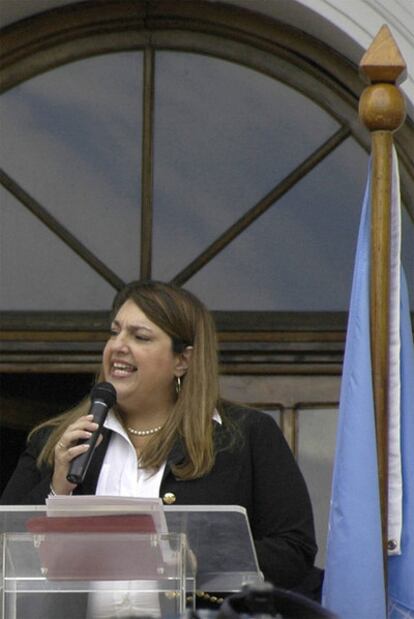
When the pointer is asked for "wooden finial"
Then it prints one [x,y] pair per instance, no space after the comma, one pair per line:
[382,105]
[383,62]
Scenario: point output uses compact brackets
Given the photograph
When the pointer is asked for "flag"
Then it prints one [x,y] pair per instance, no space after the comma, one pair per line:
[354,577]
[401,565]
[354,585]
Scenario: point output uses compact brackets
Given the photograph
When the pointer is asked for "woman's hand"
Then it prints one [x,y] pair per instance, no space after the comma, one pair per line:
[67,449]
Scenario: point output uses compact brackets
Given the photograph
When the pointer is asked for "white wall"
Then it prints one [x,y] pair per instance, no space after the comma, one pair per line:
[348,26]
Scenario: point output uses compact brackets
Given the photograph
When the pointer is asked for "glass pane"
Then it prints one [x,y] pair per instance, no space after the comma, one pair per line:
[225,135]
[38,271]
[275,414]
[71,137]
[300,254]
[316,447]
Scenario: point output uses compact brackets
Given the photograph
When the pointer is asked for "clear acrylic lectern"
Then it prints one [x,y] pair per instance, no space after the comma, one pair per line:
[47,573]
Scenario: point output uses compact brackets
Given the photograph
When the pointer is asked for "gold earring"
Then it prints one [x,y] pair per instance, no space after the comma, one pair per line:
[177,385]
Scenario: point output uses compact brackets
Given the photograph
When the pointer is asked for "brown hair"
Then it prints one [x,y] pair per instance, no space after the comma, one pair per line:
[187,321]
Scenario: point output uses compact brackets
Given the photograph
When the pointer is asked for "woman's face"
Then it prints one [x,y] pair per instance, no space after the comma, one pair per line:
[139,361]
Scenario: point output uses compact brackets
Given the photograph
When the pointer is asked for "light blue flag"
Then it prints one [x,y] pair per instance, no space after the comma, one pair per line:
[354,579]
[401,567]
[354,576]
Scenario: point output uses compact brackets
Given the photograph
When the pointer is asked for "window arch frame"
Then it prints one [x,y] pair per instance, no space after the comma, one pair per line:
[80,30]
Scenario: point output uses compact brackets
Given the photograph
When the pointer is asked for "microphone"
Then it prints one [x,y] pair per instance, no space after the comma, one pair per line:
[103,397]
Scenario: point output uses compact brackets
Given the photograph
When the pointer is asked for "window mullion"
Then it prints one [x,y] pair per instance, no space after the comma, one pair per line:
[262,206]
[57,228]
[147,164]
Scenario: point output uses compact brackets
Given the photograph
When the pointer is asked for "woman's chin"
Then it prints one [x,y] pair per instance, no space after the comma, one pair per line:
[127,394]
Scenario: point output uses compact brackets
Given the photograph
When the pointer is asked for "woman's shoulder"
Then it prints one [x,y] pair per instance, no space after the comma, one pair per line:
[244,415]
[39,436]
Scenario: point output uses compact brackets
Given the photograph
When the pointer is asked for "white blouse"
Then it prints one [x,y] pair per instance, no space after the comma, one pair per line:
[120,475]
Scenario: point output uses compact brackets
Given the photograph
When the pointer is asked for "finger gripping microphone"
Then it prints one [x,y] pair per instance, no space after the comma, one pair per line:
[103,397]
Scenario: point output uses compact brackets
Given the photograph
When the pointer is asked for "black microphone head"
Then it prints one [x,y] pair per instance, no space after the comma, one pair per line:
[105,392]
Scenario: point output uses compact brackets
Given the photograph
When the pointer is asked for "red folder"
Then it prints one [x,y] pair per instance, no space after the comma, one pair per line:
[113,523]
[111,547]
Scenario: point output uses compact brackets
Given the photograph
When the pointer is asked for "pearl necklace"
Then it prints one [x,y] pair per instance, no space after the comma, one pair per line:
[144,432]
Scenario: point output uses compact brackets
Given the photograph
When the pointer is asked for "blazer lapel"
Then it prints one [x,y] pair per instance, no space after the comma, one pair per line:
[92,474]
[177,455]
[178,451]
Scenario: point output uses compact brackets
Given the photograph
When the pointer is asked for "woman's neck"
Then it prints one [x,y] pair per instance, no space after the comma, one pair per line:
[144,421]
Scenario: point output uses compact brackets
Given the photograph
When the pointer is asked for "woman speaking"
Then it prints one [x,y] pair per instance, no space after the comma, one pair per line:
[170,435]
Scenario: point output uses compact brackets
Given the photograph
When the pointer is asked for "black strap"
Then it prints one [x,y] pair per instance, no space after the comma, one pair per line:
[268,600]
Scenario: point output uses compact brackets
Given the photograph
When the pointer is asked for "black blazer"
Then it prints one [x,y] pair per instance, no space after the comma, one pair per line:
[254,468]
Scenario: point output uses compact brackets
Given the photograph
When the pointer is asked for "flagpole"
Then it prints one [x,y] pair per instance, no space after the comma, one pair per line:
[382,111]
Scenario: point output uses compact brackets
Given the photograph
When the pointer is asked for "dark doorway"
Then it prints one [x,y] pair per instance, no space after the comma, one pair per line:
[26,400]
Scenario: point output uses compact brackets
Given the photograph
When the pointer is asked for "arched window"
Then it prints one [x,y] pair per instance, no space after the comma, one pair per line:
[179,145]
